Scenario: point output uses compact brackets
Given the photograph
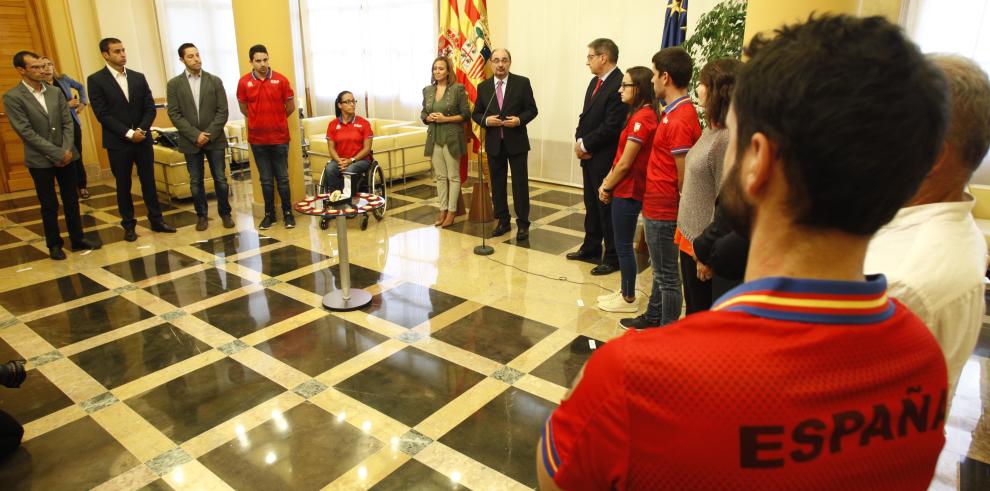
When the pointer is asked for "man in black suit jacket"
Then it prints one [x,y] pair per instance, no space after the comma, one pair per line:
[123,105]
[505,106]
[597,138]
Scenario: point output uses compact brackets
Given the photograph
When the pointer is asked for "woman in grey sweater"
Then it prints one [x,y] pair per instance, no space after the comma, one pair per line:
[702,178]
[445,109]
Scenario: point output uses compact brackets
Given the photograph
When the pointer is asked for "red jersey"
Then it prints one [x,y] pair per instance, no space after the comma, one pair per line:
[265,99]
[676,134]
[348,138]
[640,129]
[784,384]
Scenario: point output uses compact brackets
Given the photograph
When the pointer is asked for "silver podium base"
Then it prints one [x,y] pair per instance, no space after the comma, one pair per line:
[335,300]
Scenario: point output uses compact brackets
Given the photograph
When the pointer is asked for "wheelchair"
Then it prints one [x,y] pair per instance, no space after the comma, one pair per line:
[372,181]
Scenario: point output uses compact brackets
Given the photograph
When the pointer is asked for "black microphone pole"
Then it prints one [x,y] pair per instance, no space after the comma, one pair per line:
[484,249]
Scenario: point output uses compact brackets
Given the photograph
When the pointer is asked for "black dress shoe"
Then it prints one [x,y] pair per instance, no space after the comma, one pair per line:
[163,227]
[130,235]
[522,233]
[85,245]
[583,255]
[501,229]
[56,253]
[603,269]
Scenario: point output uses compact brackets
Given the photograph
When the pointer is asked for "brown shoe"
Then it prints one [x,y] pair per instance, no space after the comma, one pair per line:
[201,223]
[442,217]
[449,220]
[227,221]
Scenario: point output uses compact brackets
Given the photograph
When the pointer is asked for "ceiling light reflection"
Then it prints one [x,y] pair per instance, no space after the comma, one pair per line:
[270,458]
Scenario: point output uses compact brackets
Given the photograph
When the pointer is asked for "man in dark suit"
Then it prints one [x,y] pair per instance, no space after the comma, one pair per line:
[597,138]
[123,105]
[504,106]
[39,115]
[197,106]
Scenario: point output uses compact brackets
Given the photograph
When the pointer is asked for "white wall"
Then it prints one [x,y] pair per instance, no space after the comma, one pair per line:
[134,22]
[549,39]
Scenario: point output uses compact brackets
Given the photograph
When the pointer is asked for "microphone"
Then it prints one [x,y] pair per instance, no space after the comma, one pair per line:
[484,249]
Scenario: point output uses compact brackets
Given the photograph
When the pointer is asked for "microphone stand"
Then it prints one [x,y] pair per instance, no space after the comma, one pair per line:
[484,249]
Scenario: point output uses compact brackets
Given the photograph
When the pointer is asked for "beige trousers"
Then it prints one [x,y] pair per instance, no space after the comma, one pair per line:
[447,170]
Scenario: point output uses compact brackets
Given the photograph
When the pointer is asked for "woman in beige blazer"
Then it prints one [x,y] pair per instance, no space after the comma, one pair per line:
[445,109]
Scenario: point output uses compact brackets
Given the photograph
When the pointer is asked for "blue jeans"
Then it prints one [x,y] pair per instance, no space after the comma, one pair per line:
[665,299]
[273,165]
[625,212]
[332,179]
[218,164]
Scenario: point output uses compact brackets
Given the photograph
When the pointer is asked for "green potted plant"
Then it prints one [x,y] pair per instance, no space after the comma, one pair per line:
[718,34]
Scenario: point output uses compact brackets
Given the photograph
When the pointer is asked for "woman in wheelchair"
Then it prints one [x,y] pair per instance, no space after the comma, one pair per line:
[349,144]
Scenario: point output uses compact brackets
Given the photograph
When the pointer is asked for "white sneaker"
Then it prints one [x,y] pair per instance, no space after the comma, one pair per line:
[619,304]
[609,296]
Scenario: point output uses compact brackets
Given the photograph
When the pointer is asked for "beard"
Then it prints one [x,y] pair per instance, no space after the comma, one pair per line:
[738,211]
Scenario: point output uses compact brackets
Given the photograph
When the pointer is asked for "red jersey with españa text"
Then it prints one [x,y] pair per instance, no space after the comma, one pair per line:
[784,384]
[348,138]
[640,129]
[676,134]
[265,99]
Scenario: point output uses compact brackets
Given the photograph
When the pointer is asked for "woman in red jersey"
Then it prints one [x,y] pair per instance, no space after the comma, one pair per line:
[625,183]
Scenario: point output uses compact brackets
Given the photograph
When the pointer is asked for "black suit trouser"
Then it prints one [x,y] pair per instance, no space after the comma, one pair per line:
[121,163]
[78,163]
[500,165]
[44,185]
[598,215]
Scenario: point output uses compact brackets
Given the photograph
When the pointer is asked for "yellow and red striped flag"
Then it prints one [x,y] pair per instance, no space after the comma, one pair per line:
[464,38]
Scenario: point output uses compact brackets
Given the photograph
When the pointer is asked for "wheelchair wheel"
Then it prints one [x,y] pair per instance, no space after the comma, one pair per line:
[324,223]
[378,187]
[364,222]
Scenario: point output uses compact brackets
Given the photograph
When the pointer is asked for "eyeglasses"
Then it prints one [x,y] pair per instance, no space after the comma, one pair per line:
[627,85]
[594,55]
[352,101]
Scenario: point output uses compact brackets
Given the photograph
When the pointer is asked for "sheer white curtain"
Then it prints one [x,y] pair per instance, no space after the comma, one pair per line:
[382,48]
[953,26]
[209,24]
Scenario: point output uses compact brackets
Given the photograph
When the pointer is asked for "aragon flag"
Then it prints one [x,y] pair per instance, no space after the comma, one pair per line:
[465,39]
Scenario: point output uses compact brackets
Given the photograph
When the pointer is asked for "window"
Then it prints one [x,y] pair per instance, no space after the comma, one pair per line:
[209,24]
[381,49]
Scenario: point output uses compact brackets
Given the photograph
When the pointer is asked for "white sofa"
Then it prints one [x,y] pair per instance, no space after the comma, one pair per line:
[397,146]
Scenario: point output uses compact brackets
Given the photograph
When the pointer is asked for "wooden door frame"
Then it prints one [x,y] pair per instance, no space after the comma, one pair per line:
[39,10]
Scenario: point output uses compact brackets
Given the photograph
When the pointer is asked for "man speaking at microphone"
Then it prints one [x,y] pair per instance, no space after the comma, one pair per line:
[505,105]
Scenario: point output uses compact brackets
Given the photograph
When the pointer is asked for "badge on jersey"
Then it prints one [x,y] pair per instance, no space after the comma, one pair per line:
[665,121]
[636,127]
[275,82]
[250,83]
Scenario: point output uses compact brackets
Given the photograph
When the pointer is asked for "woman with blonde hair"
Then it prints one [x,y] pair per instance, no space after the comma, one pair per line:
[445,109]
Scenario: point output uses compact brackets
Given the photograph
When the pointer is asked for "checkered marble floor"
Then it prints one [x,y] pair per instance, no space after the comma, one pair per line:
[203,360]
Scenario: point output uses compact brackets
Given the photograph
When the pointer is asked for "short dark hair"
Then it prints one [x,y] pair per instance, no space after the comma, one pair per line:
[677,63]
[258,48]
[19,58]
[106,42]
[607,47]
[507,53]
[336,102]
[719,77]
[182,49]
[856,113]
[642,80]
[969,124]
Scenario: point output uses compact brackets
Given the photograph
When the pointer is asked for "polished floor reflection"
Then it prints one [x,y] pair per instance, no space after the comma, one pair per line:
[204,360]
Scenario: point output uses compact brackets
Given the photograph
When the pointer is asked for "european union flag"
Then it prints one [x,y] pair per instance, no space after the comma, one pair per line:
[675,23]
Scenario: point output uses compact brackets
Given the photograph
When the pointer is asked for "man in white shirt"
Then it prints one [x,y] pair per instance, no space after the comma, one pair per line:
[932,252]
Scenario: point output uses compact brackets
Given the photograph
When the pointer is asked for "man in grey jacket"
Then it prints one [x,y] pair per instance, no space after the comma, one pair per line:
[40,116]
[197,106]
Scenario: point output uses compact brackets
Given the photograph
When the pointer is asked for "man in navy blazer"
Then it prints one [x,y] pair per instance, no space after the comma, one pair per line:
[505,106]
[597,138]
[123,105]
